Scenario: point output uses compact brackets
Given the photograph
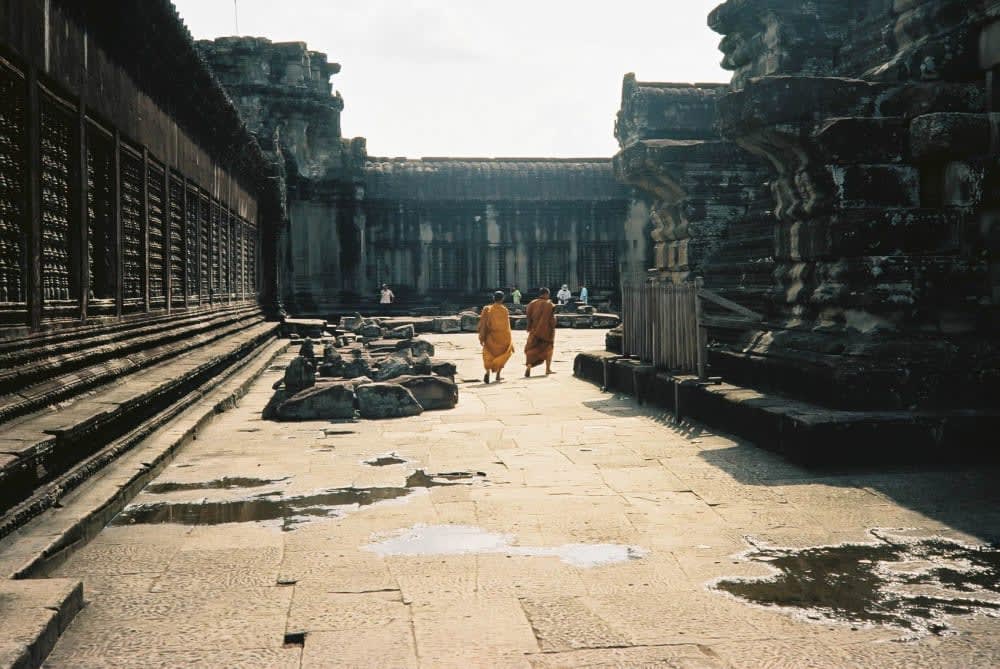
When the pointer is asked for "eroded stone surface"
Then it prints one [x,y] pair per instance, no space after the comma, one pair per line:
[434,393]
[565,464]
[386,400]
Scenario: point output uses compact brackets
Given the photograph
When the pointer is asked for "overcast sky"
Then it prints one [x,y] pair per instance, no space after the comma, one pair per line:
[483,77]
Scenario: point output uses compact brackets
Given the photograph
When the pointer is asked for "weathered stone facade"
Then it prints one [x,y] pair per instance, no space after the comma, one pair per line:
[452,228]
[437,229]
[284,95]
[874,121]
[124,191]
[708,204]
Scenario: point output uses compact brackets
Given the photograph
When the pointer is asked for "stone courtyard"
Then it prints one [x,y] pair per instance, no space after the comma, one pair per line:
[541,523]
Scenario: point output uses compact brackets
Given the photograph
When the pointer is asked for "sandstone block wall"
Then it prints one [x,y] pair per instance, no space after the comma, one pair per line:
[870,124]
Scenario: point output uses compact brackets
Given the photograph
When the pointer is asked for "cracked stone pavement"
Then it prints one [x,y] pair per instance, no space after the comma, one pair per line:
[564,463]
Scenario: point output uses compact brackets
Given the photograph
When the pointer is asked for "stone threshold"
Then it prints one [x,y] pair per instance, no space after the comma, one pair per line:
[35,610]
[806,433]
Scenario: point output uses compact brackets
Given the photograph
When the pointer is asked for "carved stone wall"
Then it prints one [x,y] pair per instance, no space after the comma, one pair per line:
[284,95]
[708,206]
[882,155]
[111,131]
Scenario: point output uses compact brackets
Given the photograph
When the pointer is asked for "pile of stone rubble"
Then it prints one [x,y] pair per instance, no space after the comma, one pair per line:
[365,369]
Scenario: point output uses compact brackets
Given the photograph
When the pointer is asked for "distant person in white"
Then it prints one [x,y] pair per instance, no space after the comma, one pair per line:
[564,296]
[584,295]
[385,299]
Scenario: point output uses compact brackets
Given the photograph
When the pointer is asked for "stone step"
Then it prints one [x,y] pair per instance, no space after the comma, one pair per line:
[32,361]
[802,431]
[38,446]
[32,546]
[33,613]
[72,333]
[62,379]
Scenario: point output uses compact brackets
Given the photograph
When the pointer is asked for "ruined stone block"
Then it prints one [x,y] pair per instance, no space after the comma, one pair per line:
[386,400]
[392,366]
[300,374]
[356,365]
[565,320]
[327,401]
[352,323]
[307,350]
[470,321]
[304,327]
[370,330]
[402,332]
[434,393]
[418,347]
[605,321]
[446,324]
[444,368]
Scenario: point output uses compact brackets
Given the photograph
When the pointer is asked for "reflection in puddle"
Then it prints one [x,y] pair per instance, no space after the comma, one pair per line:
[385,461]
[420,479]
[464,540]
[912,584]
[292,511]
[225,483]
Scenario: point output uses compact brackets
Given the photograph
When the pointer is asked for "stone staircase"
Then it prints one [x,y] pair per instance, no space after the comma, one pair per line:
[806,432]
[65,395]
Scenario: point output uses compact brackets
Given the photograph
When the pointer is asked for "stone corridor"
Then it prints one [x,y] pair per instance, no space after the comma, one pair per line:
[542,523]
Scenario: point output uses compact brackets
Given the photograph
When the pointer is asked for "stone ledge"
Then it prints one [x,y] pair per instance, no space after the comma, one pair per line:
[58,380]
[33,614]
[160,388]
[43,542]
[801,431]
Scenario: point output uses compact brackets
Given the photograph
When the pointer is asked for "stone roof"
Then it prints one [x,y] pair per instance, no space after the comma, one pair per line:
[661,110]
[492,179]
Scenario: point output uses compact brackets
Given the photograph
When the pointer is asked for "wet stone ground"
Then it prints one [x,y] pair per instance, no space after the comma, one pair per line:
[541,523]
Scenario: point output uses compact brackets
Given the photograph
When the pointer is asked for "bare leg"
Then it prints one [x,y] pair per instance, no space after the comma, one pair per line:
[527,371]
[486,376]
[548,364]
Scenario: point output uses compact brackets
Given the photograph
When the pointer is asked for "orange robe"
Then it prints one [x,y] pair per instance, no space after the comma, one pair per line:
[494,335]
[541,331]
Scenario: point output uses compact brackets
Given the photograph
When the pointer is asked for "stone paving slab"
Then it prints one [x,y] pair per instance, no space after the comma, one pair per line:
[32,616]
[566,465]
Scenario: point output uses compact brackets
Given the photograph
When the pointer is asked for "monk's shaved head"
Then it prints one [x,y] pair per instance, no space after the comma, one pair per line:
[543,291]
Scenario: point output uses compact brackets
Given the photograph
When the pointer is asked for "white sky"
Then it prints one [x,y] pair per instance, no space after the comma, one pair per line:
[483,77]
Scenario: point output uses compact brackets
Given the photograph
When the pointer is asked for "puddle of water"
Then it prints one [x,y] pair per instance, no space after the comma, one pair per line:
[421,479]
[886,583]
[225,483]
[465,539]
[385,461]
[292,511]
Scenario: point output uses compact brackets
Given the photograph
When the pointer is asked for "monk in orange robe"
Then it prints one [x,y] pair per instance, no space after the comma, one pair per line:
[494,335]
[541,332]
